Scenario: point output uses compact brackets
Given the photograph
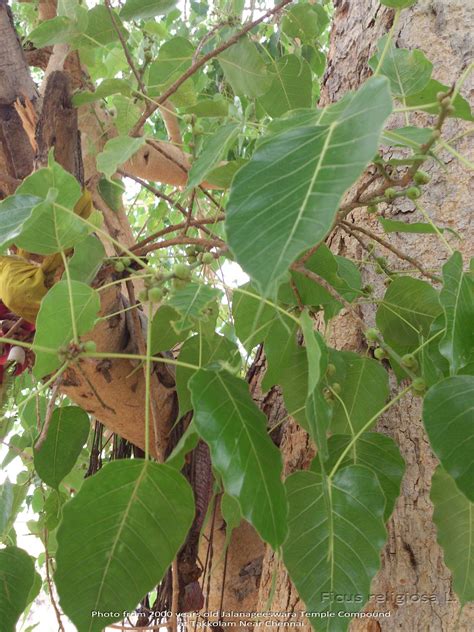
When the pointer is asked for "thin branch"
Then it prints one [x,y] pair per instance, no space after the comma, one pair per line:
[175,595]
[175,241]
[201,62]
[49,412]
[47,560]
[401,255]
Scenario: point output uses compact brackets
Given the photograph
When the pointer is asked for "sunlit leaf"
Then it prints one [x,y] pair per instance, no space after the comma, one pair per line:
[116,152]
[142,9]
[245,69]
[241,450]
[291,86]
[214,150]
[449,421]
[118,536]
[290,190]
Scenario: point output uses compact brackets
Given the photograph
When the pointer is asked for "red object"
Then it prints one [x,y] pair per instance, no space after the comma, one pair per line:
[25,328]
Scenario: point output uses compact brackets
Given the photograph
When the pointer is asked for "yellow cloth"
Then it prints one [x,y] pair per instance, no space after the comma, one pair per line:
[22,284]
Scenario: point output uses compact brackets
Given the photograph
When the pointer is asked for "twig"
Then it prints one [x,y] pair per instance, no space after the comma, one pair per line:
[47,560]
[49,412]
[175,595]
[175,241]
[201,62]
[401,255]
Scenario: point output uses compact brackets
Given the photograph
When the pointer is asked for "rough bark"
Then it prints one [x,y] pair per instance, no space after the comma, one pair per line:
[412,562]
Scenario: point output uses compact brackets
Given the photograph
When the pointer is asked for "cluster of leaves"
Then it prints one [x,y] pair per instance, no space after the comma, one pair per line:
[288,166]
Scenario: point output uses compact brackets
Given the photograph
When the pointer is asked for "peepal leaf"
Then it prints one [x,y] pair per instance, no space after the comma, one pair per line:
[408,70]
[54,327]
[454,519]
[67,433]
[214,150]
[449,421]
[14,211]
[285,198]
[17,574]
[193,303]
[118,536]
[291,86]
[245,69]
[142,9]
[241,450]
[334,540]
[457,299]
[116,152]
[375,451]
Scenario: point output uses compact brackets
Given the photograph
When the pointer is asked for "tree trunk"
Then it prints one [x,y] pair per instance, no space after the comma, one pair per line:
[413,584]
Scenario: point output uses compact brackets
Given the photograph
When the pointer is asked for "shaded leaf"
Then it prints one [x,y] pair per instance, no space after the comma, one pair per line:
[118,536]
[14,211]
[305,21]
[116,152]
[67,433]
[163,335]
[245,69]
[291,86]
[106,88]
[457,299]
[241,450]
[454,519]
[54,327]
[17,574]
[393,226]
[86,260]
[214,150]
[194,303]
[449,421]
[427,101]
[373,450]
[334,540]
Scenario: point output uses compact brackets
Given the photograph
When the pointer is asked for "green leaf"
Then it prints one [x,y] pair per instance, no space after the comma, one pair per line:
[305,21]
[17,574]
[241,450]
[194,304]
[457,299]
[116,152]
[406,313]
[398,4]
[223,175]
[58,30]
[14,211]
[142,9]
[214,149]
[245,69]
[427,101]
[280,345]
[202,352]
[290,190]
[187,442]
[334,540]
[412,137]
[67,433]
[118,536]
[100,28]
[408,70]
[105,89]
[6,506]
[392,226]
[163,335]
[318,412]
[291,86]
[54,327]
[454,519]
[86,260]
[52,225]
[174,58]
[217,107]
[364,391]
[254,316]
[373,450]
[449,422]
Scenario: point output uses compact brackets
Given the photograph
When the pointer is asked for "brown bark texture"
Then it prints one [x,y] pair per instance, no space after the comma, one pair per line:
[413,583]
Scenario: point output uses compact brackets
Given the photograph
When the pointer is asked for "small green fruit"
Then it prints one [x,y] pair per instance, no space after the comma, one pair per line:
[380,354]
[421,177]
[336,387]
[372,209]
[89,346]
[372,334]
[181,271]
[331,370]
[409,361]
[207,258]
[446,102]
[413,193]
[419,385]
[179,284]
[127,262]
[143,296]
[155,294]
[119,267]
[390,193]
[192,259]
